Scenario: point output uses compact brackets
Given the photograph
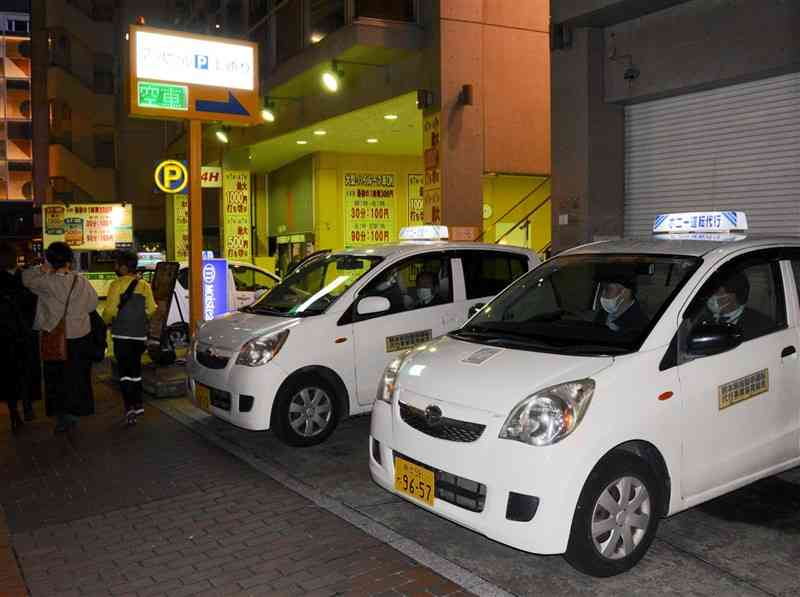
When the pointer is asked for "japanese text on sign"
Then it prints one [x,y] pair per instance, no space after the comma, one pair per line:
[89,227]
[369,208]
[416,202]
[236,214]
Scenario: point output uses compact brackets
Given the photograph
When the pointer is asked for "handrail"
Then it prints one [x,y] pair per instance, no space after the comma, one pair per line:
[530,213]
[515,206]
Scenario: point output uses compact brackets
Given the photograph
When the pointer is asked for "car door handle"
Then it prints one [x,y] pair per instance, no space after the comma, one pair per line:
[788,351]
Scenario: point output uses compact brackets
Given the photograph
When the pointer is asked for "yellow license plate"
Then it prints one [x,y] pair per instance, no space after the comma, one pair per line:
[203,395]
[414,480]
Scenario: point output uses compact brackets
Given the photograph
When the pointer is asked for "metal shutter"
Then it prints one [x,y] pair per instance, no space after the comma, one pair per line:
[733,148]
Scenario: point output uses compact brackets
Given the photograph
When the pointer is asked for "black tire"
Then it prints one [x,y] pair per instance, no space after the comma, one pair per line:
[583,552]
[290,425]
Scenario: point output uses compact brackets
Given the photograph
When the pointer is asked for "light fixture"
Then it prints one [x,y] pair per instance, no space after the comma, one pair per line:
[127,36]
[372,140]
[320,133]
[267,114]
[330,81]
[222,134]
[390,117]
[316,37]
[301,142]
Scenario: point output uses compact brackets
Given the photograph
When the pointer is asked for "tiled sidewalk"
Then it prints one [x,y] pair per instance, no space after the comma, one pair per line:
[155,510]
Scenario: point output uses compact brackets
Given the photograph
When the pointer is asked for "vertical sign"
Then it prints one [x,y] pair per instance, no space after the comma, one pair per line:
[416,203]
[215,288]
[432,191]
[235,205]
[180,227]
[369,206]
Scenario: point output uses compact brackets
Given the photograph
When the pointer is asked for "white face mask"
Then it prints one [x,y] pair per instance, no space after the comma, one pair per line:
[611,305]
[713,305]
[425,295]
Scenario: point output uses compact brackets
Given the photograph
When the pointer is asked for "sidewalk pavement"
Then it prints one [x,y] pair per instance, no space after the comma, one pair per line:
[155,510]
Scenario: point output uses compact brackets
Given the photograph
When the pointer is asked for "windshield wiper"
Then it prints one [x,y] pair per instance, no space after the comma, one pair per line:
[494,336]
[259,310]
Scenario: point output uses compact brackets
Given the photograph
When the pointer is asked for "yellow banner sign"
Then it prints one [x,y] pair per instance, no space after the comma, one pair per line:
[369,208]
[236,236]
[416,202]
[89,227]
[432,190]
[180,227]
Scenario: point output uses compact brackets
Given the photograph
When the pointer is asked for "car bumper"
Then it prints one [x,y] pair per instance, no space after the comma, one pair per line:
[238,384]
[503,467]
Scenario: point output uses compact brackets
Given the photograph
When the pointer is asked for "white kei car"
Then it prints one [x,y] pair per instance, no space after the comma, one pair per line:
[313,350]
[564,419]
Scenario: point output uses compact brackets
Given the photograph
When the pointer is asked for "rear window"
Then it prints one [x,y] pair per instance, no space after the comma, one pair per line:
[486,273]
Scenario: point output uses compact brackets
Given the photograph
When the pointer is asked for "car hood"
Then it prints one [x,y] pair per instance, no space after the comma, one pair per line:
[231,331]
[488,378]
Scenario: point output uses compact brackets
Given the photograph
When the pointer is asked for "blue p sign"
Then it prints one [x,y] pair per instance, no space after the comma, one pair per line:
[201,62]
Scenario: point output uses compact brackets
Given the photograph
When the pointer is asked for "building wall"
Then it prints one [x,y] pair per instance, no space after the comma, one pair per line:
[511,199]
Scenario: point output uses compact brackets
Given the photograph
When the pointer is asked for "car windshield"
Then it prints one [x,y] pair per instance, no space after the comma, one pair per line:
[311,289]
[583,304]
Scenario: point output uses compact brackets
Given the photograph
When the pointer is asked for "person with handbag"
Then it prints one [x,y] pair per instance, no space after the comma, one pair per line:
[65,300]
[129,305]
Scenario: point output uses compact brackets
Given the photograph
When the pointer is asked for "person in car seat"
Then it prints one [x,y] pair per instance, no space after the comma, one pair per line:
[620,310]
[728,305]
[427,291]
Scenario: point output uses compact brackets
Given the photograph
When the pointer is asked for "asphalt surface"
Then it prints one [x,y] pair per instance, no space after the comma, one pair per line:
[744,544]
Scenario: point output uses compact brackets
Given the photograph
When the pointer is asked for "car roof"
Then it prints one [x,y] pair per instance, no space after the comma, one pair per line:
[412,246]
[692,245]
[185,264]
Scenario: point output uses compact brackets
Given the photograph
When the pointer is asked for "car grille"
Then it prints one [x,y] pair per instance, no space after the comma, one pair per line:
[459,491]
[204,356]
[448,429]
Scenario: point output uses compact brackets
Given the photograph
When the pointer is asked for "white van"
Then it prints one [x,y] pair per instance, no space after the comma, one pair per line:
[312,350]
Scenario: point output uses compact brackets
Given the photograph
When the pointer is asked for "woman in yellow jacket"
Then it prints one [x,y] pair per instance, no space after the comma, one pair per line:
[128,307]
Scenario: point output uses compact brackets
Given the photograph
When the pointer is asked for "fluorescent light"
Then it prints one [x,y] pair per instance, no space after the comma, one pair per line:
[320,132]
[317,37]
[268,115]
[372,140]
[330,81]
[390,116]
[301,142]
[222,136]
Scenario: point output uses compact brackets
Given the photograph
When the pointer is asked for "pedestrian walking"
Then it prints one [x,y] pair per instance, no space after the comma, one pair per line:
[129,305]
[65,300]
[14,334]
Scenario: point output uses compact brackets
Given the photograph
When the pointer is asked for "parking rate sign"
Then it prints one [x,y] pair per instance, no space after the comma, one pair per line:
[215,288]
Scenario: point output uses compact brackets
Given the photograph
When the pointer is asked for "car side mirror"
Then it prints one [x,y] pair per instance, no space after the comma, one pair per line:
[371,305]
[707,339]
[475,308]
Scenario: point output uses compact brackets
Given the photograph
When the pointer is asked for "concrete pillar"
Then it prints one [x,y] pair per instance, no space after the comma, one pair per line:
[40,112]
[587,146]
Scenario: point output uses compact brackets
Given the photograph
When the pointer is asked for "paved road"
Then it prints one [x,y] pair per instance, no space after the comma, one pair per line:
[744,544]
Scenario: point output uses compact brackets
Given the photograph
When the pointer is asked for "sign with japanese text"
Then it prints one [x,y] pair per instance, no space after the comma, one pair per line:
[215,288]
[369,208]
[90,226]
[235,205]
[416,203]
[432,193]
[180,227]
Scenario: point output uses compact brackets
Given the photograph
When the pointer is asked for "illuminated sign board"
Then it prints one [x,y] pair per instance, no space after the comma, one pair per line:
[215,288]
[172,176]
[89,226]
[173,74]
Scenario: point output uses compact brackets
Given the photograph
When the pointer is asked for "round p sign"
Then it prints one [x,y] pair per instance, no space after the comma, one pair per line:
[171,176]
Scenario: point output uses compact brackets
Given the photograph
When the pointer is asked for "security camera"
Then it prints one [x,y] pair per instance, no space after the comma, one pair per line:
[631,73]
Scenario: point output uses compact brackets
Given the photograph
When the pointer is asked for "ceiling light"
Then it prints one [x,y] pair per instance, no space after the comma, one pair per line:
[320,132]
[390,116]
[301,142]
[317,37]
[372,140]
[268,115]
[222,135]
[330,81]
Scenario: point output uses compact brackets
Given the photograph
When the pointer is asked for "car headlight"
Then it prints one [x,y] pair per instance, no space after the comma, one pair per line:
[388,383]
[549,415]
[260,351]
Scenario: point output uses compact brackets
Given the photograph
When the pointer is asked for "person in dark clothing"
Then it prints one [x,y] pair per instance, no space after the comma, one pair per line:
[129,305]
[427,290]
[621,312]
[728,305]
[14,335]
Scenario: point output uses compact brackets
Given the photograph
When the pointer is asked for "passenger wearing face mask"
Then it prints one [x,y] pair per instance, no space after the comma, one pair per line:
[728,305]
[620,310]
[426,291]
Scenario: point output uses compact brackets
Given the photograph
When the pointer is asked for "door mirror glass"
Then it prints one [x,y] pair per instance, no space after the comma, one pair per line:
[707,339]
[475,308]
[373,304]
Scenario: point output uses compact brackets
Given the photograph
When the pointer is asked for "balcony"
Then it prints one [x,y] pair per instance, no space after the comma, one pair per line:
[98,183]
[18,187]
[81,99]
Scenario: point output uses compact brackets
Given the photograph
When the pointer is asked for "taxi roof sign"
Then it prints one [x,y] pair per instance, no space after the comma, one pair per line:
[427,232]
[700,221]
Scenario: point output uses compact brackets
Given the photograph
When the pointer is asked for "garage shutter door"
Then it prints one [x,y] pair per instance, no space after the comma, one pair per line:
[734,148]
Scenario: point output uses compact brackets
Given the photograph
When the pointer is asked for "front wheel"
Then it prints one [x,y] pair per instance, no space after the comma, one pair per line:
[305,412]
[616,518]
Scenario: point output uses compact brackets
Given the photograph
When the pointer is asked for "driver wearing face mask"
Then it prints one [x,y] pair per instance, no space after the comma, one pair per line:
[426,291]
[728,305]
[620,310]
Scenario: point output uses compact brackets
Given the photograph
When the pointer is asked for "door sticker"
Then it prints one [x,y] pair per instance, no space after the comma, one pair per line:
[744,388]
[479,357]
[409,340]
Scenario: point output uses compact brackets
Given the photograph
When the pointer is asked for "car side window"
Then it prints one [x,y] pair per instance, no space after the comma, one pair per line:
[262,281]
[243,278]
[747,293]
[416,283]
[486,273]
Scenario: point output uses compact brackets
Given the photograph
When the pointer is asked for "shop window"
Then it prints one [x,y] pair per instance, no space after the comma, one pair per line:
[390,10]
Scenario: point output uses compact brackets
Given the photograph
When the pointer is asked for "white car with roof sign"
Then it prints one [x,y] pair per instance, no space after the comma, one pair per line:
[617,383]
[313,350]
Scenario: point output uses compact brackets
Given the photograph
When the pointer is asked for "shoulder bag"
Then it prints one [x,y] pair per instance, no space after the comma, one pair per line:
[53,344]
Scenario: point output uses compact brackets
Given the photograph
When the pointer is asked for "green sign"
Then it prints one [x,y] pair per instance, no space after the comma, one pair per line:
[163,95]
